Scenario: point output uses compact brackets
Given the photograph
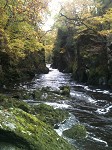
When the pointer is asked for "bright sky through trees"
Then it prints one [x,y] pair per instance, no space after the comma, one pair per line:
[54,7]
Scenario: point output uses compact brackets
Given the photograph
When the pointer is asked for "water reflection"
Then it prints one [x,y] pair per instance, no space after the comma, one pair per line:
[54,79]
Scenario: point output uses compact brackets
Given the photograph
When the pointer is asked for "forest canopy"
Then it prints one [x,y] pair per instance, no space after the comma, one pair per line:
[21,33]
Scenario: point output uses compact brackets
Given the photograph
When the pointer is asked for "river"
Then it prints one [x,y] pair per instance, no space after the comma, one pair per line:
[88,105]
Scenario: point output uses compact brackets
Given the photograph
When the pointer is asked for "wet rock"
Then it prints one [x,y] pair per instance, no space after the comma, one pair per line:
[29,133]
[50,115]
[47,94]
[65,90]
[7,102]
[22,94]
[37,94]
[77,131]
[56,126]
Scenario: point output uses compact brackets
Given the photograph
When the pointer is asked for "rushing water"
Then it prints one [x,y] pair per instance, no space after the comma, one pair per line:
[89,106]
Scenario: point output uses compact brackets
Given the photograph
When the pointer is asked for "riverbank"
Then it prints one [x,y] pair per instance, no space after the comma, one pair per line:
[20,126]
[86,105]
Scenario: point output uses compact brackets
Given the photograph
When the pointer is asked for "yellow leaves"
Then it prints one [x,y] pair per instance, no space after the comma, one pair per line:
[20,1]
[3,41]
[97,20]
[17,47]
[27,9]
[106,32]
[21,20]
[98,5]
[3,17]
[48,51]
[49,47]
[33,45]
[86,15]
[102,23]
[38,45]
[108,15]
[26,29]
[18,43]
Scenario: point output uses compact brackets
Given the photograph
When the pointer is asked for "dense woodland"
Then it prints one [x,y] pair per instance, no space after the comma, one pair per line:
[22,52]
[83,43]
[80,40]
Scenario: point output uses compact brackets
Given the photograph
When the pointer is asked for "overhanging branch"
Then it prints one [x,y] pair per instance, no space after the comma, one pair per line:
[78,19]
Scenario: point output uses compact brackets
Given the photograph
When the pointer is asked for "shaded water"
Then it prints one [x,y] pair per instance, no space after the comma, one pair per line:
[89,106]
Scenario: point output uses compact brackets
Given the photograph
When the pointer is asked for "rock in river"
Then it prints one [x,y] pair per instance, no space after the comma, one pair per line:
[29,133]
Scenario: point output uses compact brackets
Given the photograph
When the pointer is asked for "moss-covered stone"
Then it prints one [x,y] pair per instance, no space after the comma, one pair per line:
[65,90]
[37,94]
[50,115]
[44,112]
[29,133]
[46,94]
[22,94]
[43,94]
[8,102]
[78,131]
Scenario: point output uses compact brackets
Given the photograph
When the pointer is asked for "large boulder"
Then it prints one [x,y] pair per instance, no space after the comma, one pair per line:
[77,131]
[27,132]
[20,126]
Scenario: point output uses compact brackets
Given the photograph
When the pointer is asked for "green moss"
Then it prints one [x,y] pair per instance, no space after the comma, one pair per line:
[44,112]
[22,94]
[65,90]
[50,115]
[28,132]
[20,126]
[78,131]
[8,102]
[46,94]
[37,94]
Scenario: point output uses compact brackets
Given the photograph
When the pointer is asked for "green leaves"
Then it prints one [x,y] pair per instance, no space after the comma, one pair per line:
[20,38]
[108,15]
[17,47]
[17,18]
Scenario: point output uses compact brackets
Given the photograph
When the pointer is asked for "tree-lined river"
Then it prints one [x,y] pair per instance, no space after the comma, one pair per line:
[88,105]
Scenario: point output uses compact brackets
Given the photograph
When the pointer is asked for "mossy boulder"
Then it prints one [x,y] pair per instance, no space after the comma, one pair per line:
[47,94]
[22,94]
[37,94]
[29,133]
[77,131]
[8,102]
[50,115]
[44,112]
[65,90]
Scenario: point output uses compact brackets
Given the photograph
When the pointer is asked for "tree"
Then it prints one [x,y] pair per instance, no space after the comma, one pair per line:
[83,31]
[20,28]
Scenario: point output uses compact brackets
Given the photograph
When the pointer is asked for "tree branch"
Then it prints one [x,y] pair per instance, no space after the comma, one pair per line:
[78,19]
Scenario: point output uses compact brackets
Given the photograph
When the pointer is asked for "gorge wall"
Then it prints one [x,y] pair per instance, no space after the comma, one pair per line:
[88,57]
